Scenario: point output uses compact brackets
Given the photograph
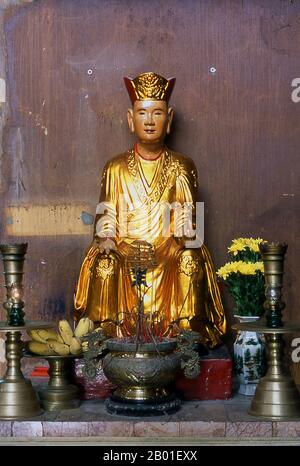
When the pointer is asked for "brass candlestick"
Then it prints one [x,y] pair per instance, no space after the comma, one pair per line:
[17,396]
[276,396]
[273,258]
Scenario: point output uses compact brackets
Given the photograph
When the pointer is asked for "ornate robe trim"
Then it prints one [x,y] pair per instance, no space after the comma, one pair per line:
[167,170]
[188,265]
[105,268]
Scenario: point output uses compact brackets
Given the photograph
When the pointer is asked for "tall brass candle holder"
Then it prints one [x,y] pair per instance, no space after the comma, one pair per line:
[17,396]
[276,396]
[273,258]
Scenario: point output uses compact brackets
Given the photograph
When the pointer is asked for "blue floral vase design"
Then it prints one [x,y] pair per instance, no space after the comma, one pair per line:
[249,358]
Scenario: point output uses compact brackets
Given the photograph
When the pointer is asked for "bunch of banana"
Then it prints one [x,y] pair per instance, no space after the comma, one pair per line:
[62,342]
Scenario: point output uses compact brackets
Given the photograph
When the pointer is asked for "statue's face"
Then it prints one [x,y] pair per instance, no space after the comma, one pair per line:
[150,120]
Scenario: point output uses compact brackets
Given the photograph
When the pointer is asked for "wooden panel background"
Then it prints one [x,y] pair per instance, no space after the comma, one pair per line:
[65,64]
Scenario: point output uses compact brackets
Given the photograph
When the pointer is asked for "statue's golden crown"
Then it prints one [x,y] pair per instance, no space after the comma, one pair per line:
[149,86]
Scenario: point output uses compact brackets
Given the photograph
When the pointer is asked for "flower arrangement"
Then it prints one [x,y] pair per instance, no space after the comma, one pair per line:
[244,276]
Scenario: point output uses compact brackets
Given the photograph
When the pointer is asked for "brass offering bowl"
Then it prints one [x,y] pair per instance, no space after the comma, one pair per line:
[61,393]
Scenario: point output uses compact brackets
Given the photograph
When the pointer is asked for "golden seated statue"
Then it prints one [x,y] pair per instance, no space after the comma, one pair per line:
[137,189]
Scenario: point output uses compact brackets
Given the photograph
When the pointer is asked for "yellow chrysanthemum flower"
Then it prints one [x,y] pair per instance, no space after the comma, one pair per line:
[245,278]
[239,244]
[244,268]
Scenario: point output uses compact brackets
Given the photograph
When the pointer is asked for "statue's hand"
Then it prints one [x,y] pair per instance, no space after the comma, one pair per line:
[106,245]
[102,244]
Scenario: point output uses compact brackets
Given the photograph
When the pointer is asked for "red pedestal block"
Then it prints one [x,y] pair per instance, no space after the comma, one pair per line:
[40,371]
[214,381]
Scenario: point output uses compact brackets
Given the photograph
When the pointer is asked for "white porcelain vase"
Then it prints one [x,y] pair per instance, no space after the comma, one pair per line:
[249,358]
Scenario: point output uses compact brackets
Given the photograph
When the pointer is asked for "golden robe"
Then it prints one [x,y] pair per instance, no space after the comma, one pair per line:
[182,286]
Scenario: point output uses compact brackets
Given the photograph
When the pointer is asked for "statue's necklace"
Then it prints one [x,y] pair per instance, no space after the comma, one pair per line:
[144,158]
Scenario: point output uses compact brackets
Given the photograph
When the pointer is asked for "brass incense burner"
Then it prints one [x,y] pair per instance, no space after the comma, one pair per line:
[142,377]
[142,364]
[276,396]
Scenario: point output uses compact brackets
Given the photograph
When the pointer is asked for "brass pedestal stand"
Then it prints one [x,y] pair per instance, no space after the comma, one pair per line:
[61,393]
[17,396]
[276,396]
